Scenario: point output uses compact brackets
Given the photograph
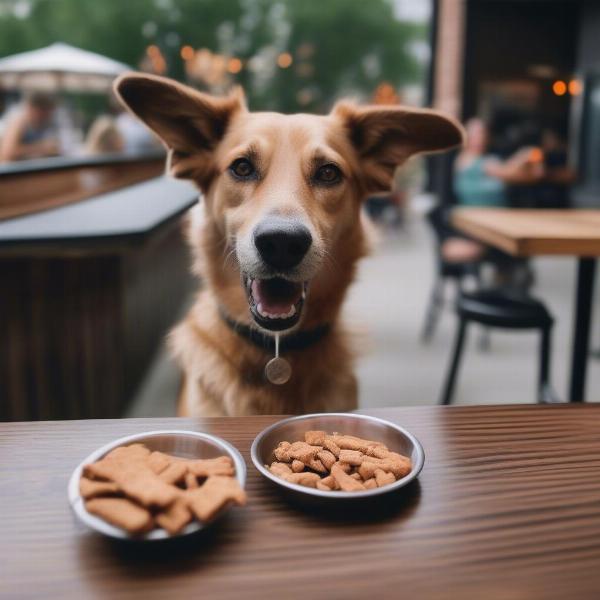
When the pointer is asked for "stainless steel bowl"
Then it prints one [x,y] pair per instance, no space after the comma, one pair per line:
[394,437]
[185,444]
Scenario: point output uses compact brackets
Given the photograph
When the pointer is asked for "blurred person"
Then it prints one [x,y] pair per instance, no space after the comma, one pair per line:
[137,138]
[553,191]
[482,178]
[31,131]
[475,176]
[104,137]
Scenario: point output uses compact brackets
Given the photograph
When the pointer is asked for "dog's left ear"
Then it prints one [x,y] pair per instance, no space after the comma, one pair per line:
[384,137]
[189,123]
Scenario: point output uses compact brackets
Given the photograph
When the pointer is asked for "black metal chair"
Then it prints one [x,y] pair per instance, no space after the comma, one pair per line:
[456,272]
[507,310]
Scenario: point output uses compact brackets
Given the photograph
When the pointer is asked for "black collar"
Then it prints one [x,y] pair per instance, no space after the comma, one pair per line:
[292,341]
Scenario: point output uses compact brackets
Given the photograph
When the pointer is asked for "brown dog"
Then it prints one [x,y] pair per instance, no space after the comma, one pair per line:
[276,238]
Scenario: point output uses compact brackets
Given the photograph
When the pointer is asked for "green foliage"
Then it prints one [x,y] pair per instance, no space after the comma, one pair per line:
[339,46]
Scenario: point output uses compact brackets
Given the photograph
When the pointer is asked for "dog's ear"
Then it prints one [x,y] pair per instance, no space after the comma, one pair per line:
[384,137]
[189,123]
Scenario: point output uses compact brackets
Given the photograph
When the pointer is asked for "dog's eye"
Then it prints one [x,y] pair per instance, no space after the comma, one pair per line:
[328,174]
[242,168]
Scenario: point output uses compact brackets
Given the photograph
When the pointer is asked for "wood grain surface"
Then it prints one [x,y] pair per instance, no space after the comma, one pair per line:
[25,193]
[507,507]
[524,232]
[80,331]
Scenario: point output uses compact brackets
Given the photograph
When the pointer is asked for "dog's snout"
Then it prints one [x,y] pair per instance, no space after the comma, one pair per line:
[282,244]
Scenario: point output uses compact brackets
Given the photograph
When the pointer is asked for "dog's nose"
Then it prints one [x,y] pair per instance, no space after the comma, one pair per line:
[281,243]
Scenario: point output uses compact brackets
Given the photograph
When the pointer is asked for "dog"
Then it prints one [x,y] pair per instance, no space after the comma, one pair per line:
[276,237]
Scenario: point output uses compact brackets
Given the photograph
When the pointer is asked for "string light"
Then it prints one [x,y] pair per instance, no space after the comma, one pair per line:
[559,88]
[285,60]
[187,53]
[574,87]
[234,65]
[153,50]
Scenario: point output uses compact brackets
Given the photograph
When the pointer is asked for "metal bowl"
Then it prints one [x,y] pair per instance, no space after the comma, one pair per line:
[394,437]
[185,444]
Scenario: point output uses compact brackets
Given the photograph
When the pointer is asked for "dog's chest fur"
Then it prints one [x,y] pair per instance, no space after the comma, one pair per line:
[224,373]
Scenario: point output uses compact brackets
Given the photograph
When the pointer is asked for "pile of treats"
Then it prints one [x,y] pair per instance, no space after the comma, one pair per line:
[338,462]
[138,490]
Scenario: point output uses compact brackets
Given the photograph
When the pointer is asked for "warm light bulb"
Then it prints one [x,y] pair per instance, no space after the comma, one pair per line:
[574,87]
[187,52]
[559,87]
[234,65]
[284,60]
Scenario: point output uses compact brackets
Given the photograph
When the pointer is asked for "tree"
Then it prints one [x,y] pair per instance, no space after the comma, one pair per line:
[335,47]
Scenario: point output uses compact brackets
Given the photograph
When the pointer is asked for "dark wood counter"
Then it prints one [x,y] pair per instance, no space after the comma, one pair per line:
[88,292]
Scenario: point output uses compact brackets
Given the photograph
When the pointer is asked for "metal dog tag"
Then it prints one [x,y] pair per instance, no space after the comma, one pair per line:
[278,371]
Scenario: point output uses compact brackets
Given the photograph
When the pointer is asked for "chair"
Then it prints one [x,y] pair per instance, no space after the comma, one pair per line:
[456,259]
[506,310]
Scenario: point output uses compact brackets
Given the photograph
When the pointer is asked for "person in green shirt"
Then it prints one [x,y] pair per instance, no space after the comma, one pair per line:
[481,179]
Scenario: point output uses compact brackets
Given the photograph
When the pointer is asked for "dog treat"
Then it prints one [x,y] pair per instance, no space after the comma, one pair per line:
[175,472]
[315,438]
[351,457]
[297,466]
[282,453]
[316,465]
[281,469]
[136,489]
[138,451]
[191,481]
[327,459]
[345,481]
[89,488]
[216,492]
[370,465]
[331,462]
[308,479]
[207,467]
[349,442]
[330,482]
[135,479]
[303,452]
[121,512]
[382,478]
[159,462]
[344,466]
[175,517]
[332,447]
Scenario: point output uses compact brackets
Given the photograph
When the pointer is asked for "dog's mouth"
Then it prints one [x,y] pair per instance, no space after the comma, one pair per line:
[275,304]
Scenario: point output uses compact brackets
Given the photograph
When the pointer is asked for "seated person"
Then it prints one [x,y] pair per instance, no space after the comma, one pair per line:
[475,177]
[104,137]
[31,132]
[553,191]
[481,179]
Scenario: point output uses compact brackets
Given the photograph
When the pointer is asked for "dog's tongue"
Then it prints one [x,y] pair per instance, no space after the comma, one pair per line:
[277,296]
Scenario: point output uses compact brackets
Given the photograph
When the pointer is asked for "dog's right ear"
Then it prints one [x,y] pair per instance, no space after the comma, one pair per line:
[189,123]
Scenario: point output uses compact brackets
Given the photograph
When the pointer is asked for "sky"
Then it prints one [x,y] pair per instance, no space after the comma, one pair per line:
[412,10]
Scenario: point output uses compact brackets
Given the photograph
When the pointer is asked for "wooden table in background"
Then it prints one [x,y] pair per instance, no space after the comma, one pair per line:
[526,233]
[507,506]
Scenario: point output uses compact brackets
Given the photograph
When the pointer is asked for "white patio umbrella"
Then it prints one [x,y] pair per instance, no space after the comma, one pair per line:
[59,67]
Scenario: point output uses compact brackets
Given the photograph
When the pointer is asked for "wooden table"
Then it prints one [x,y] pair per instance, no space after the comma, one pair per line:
[507,506]
[526,233]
